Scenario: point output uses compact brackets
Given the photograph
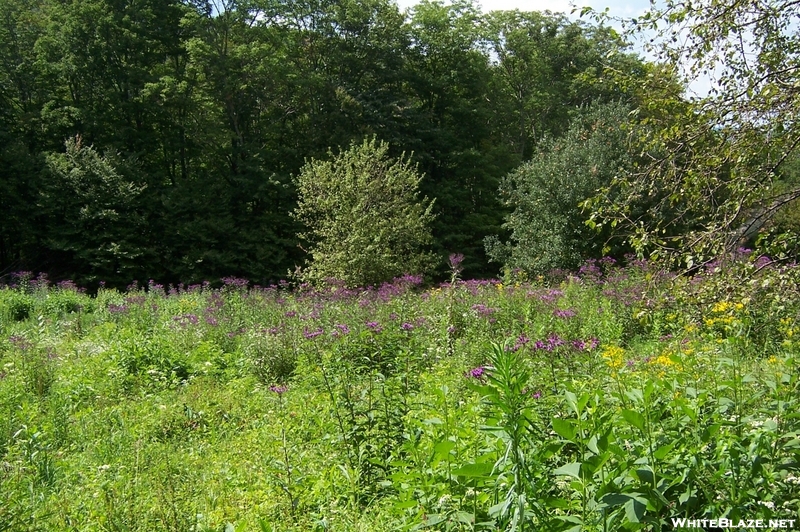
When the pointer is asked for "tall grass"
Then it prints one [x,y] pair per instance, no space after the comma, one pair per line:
[616,398]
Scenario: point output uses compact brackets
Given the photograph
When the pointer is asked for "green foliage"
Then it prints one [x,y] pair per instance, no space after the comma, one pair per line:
[548,68]
[209,110]
[547,225]
[17,305]
[272,359]
[713,157]
[93,212]
[617,399]
[365,222]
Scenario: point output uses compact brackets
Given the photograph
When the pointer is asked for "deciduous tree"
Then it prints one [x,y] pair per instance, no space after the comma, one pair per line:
[365,222]
[713,159]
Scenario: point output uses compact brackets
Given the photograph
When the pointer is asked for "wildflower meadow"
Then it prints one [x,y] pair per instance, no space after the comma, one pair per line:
[617,397]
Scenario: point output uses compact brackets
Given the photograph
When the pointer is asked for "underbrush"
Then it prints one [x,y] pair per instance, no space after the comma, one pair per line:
[612,399]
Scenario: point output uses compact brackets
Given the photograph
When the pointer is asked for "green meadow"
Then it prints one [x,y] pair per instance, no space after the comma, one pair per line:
[613,398]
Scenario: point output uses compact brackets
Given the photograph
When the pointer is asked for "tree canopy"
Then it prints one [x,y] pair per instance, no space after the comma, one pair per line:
[544,195]
[209,110]
[716,162]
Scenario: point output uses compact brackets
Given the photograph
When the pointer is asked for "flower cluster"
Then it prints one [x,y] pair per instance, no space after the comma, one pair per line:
[478,373]
[309,335]
[614,356]
[340,329]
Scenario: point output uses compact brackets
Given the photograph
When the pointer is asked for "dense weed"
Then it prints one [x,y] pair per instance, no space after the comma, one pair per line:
[609,399]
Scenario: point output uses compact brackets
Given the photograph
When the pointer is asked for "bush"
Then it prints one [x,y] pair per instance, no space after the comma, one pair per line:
[364,221]
[547,225]
[18,306]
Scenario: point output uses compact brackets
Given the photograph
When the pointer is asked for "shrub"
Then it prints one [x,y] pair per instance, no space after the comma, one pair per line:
[364,220]
[548,228]
[18,306]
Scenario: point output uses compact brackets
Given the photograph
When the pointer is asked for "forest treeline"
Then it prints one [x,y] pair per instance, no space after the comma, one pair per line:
[160,139]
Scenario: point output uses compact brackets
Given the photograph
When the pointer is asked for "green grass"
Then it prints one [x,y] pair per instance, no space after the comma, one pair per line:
[617,399]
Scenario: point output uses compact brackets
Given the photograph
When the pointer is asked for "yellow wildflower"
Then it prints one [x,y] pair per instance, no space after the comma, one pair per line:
[721,306]
[665,359]
[614,356]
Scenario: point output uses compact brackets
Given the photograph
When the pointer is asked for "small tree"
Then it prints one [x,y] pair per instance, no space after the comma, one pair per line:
[364,221]
[92,211]
[548,227]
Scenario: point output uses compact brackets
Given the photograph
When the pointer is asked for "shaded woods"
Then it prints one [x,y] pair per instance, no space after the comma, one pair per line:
[162,139]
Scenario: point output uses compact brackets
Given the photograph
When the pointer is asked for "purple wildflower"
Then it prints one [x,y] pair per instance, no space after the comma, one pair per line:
[155,287]
[564,313]
[455,260]
[20,342]
[135,300]
[291,314]
[374,326]
[555,341]
[522,340]
[407,327]
[42,281]
[117,309]
[536,395]
[590,270]
[313,334]
[482,309]
[235,282]
[551,295]
[279,389]
[476,373]
[341,330]
[184,320]
[67,285]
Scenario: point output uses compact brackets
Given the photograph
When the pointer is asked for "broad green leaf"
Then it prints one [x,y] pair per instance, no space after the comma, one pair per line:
[634,510]
[564,428]
[664,450]
[572,469]
[402,505]
[634,418]
[443,448]
[473,470]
